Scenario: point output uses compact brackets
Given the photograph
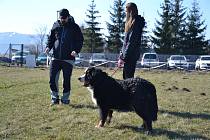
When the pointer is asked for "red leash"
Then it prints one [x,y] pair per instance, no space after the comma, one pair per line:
[114,71]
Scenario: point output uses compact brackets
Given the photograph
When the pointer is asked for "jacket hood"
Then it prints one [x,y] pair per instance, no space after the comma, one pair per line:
[140,22]
[140,19]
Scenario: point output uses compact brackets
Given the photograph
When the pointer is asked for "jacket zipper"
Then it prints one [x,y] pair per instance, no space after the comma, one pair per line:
[61,42]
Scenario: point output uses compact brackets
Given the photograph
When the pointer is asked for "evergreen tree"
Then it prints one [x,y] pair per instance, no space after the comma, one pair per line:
[93,41]
[195,42]
[145,40]
[178,23]
[163,30]
[208,47]
[85,47]
[116,27]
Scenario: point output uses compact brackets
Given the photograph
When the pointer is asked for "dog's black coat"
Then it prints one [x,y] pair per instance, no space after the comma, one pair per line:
[135,94]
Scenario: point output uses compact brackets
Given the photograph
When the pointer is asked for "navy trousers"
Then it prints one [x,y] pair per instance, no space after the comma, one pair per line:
[55,67]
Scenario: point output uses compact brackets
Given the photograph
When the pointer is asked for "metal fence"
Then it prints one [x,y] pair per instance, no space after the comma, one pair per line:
[112,60]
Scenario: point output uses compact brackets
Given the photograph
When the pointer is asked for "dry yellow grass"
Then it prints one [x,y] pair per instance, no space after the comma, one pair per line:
[183,98]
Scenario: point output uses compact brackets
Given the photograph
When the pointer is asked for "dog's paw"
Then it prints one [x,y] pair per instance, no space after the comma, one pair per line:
[108,121]
[148,132]
[142,127]
[98,126]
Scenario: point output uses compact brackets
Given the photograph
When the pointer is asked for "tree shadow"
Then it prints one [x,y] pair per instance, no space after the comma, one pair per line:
[169,134]
[178,134]
[187,114]
[79,106]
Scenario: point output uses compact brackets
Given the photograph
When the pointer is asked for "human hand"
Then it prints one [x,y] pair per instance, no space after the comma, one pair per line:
[73,53]
[120,63]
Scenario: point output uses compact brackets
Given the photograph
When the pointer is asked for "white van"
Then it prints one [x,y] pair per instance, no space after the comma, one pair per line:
[149,60]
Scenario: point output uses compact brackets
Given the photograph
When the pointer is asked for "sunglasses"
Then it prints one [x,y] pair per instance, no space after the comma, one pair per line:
[63,17]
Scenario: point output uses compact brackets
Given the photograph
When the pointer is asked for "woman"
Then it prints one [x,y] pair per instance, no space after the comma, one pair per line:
[131,46]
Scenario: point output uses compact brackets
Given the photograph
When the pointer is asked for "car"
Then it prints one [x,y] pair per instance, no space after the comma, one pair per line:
[203,62]
[149,60]
[78,60]
[97,58]
[5,59]
[42,59]
[177,61]
[16,58]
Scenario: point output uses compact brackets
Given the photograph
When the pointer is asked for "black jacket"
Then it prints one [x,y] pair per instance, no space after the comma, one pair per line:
[132,41]
[65,39]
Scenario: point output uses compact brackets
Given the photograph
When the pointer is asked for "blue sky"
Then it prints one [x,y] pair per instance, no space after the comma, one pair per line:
[25,16]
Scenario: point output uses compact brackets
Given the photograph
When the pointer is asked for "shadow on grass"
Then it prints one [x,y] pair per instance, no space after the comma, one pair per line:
[79,106]
[167,133]
[187,114]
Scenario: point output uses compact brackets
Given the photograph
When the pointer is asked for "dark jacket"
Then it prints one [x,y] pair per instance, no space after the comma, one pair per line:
[132,41]
[65,39]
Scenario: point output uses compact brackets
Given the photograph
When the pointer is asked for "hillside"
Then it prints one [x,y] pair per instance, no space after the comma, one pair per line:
[14,38]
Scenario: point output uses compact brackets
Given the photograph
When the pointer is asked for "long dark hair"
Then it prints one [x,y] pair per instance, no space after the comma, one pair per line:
[132,11]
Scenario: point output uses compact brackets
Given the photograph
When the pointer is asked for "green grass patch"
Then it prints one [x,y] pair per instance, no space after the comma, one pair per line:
[25,112]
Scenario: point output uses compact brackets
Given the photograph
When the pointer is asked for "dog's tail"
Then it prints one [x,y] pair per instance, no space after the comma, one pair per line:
[154,105]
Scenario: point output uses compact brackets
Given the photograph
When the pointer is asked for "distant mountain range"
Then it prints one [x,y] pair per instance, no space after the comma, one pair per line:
[14,38]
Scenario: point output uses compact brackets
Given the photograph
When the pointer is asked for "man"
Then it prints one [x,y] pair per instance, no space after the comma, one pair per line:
[131,46]
[66,40]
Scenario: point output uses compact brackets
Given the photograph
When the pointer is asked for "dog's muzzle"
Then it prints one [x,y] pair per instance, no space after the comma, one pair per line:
[82,79]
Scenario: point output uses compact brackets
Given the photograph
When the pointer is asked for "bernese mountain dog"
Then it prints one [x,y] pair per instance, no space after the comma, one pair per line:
[134,94]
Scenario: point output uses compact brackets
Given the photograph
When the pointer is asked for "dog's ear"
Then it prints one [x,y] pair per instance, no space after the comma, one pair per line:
[89,74]
[98,70]
[100,73]
[93,71]
[90,69]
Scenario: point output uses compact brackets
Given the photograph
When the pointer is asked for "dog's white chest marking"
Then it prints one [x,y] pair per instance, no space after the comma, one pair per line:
[92,96]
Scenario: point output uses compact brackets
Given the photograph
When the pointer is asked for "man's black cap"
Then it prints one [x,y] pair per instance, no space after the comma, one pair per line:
[64,13]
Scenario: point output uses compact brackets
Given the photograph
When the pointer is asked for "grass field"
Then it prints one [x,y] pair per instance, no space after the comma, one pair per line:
[183,98]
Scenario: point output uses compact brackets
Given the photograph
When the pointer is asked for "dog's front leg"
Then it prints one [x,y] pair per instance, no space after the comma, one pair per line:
[103,115]
[109,116]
